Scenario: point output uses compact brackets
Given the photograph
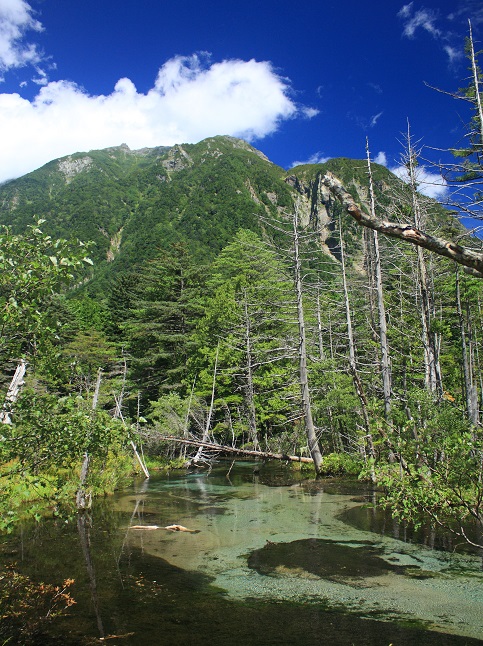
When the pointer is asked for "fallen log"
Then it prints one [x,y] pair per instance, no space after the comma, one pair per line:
[220,448]
[169,528]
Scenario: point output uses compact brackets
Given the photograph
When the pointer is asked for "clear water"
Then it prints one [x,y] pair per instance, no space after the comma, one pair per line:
[272,562]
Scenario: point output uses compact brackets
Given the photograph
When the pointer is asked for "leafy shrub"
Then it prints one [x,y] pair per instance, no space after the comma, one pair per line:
[341,464]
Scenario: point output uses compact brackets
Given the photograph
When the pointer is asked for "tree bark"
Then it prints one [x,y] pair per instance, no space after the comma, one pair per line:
[352,360]
[206,433]
[470,389]
[82,498]
[432,366]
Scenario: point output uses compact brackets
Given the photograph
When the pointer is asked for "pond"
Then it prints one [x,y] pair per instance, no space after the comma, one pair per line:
[271,559]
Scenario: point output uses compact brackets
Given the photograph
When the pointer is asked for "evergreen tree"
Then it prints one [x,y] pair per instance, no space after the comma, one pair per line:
[157,330]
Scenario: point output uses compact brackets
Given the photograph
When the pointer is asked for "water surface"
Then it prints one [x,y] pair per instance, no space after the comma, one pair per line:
[274,561]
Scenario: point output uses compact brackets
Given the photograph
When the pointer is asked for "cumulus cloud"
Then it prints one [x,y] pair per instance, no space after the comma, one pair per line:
[191,99]
[316,158]
[381,158]
[16,20]
[429,184]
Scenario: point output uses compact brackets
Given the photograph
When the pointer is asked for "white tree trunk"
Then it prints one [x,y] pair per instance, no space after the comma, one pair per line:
[312,440]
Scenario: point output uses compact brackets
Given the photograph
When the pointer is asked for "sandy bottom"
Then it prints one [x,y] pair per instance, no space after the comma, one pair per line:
[240,532]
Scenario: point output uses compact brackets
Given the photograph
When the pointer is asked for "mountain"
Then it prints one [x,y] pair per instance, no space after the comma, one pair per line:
[132,204]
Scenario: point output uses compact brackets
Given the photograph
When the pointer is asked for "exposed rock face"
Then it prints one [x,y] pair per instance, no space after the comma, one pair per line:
[243,145]
[70,167]
[177,159]
[314,206]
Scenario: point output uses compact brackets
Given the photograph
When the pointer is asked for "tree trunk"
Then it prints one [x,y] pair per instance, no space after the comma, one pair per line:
[472,261]
[469,388]
[220,448]
[206,433]
[319,329]
[13,392]
[249,389]
[312,440]
[432,368]
[383,341]
[82,498]
[352,359]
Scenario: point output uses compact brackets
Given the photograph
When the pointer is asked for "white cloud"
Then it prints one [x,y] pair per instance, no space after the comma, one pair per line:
[376,87]
[453,53]
[468,9]
[381,158]
[425,19]
[429,184]
[309,113]
[190,100]
[421,19]
[15,21]
[316,158]
[375,119]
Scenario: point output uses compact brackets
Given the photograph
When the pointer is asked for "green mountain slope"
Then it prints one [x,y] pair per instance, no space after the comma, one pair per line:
[134,204]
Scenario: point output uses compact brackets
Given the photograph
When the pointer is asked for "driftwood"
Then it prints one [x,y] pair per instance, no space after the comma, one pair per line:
[220,448]
[170,528]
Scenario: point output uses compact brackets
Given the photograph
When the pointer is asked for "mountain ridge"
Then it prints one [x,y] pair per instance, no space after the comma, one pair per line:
[132,204]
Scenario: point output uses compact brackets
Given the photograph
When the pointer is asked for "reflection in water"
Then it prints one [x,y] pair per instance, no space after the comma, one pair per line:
[83,522]
[374,519]
[274,562]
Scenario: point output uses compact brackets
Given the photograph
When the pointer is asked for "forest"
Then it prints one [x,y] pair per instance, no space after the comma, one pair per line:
[330,313]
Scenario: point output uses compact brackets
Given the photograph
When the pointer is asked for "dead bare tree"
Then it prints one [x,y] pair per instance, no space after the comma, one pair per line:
[383,340]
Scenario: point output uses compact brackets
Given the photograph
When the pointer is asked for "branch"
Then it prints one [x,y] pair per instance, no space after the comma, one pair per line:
[472,261]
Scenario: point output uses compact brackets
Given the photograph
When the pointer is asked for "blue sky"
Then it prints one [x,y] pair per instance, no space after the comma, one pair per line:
[301,81]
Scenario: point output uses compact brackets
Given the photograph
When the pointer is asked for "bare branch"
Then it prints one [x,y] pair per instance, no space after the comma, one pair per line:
[472,261]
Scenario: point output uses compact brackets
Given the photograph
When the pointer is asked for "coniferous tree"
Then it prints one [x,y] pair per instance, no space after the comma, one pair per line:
[157,332]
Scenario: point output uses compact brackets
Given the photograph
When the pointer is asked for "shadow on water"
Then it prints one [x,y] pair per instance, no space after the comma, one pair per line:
[326,559]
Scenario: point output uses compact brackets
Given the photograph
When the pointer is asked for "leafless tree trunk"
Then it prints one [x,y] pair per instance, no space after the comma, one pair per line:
[249,389]
[82,498]
[469,385]
[383,341]
[13,392]
[206,433]
[432,367]
[312,440]
[472,261]
[352,359]
[319,329]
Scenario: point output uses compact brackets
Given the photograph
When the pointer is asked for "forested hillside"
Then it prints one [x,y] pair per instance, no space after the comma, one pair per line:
[227,299]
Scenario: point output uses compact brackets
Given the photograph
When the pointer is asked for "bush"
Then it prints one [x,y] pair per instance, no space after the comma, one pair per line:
[341,464]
